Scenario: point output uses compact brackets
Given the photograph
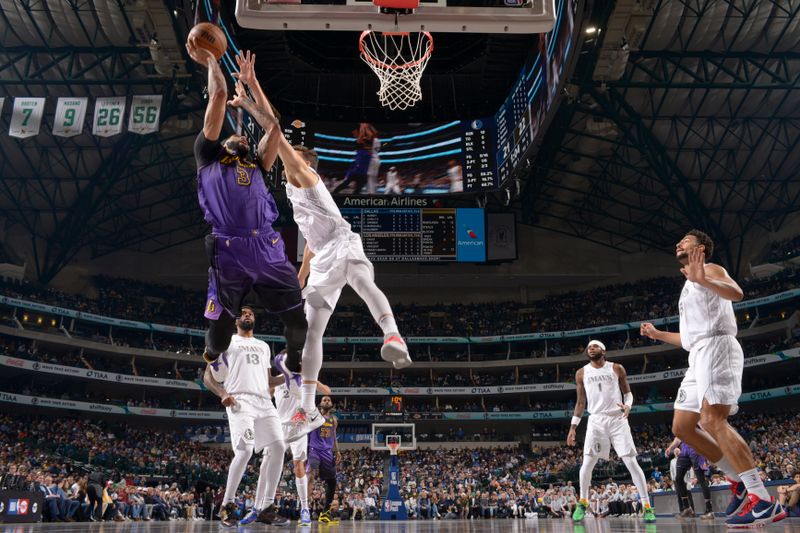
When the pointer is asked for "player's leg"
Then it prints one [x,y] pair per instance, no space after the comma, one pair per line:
[287,303]
[685,502]
[243,442]
[702,480]
[318,315]
[361,277]
[595,446]
[299,454]
[622,440]
[227,285]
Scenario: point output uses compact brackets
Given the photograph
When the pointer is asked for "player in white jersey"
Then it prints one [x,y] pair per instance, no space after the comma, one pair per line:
[241,378]
[287,400]
[455,176]
[392,182]
[374,166]
[600,386]
[333,257]
[710,390]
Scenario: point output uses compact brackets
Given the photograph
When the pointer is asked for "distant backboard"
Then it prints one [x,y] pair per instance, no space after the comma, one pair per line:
[453,16]
[405,434]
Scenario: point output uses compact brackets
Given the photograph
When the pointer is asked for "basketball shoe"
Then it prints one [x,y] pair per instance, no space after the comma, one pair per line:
[395,351]
[757,512]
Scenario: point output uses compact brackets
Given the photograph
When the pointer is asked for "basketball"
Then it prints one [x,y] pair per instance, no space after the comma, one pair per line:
[210,37]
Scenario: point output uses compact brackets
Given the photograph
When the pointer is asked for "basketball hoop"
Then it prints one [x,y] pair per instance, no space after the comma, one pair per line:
[393,447]
[398,59]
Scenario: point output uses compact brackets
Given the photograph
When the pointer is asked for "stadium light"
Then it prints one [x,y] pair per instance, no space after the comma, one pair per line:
[591,30]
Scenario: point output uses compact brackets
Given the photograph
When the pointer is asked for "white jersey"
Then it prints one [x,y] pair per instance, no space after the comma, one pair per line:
[456,180]
[287,400]
[316,214]
[704,314]
[603,394]
[244,368]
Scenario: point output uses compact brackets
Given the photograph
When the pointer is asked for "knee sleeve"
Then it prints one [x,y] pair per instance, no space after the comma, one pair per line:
[219,333]
[295,329]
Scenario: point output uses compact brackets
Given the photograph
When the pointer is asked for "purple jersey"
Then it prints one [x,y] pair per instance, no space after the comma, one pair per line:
[698,460]
[232,192]
[322,439]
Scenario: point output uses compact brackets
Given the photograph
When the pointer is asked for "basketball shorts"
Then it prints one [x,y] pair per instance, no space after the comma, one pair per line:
[299,449]
[329,269]
[322,461]
[605,431]
[253,422]
[250,263]
[715,374]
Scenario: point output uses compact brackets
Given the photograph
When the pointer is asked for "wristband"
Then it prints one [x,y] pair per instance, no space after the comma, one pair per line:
[628,398]
[576,421]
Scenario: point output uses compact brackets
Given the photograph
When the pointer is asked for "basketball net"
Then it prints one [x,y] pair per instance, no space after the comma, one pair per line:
[393,447]
[398,59]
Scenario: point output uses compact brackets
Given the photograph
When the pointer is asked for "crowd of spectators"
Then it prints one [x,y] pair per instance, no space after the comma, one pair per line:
[624,302]
[91,469]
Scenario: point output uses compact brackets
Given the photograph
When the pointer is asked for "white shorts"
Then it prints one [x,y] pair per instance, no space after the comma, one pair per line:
[299,449]
[253,425]
[329,268]
[605,431]
[715,374]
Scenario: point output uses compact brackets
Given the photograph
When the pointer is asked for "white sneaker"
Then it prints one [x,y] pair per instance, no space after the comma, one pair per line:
[303,423]
[395,351]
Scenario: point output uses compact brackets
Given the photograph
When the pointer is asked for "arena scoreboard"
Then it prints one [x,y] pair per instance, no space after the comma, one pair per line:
[419,234]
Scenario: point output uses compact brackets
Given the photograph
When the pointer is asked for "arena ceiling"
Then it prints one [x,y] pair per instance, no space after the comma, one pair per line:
[695,123]
[681,114]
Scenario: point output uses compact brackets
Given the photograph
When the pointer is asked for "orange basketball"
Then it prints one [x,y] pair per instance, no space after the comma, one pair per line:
[210,37]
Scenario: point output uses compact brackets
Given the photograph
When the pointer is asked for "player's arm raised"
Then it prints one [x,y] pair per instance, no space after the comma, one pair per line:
[712,277]
[627,395]
[216,387]
[646,329]
[580,407]
[217,90]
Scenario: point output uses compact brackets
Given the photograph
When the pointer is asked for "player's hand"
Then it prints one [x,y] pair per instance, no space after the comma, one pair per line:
[240,95]
[247,67]
[626,409]
[228,401]
[338,457]
[197,53]
[646,329]
[668,452]
[695,270]
[571,437]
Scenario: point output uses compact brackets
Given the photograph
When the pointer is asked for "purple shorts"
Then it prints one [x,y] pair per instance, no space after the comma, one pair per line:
[241,264]
[323,461]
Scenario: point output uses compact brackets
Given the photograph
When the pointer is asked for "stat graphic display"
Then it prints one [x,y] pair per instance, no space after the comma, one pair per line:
[401,159]
[522,115]
[418,234]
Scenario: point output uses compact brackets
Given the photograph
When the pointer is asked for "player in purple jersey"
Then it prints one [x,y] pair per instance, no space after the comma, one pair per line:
[321,460]
[245,252]
[690,459]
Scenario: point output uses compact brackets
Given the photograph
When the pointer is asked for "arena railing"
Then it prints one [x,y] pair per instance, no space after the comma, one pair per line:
[21,363]
[114,409]
[522,337]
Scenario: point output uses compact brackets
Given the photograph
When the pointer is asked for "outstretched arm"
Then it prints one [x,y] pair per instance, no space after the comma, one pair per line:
[646,329]
[305,267]
[267,151]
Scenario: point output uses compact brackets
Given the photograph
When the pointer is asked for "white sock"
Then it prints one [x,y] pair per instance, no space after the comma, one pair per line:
[236,471]
[638,478]
[302,491]
[308,393]
[388,325]
[753,484]
[724,465]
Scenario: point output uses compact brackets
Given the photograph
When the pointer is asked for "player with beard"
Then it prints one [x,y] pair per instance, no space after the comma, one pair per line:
[244,251]
[598,384]
[710,390]
[321,461]
[241,378]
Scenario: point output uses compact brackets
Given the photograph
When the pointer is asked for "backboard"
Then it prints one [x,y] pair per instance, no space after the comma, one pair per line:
[405,434]
[459,16]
